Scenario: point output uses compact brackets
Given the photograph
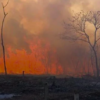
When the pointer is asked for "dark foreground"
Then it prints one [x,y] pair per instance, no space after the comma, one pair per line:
[35,88]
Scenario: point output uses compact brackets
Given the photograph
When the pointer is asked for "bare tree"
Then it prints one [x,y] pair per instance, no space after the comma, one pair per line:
[2,40]
[92,62]
[77,25]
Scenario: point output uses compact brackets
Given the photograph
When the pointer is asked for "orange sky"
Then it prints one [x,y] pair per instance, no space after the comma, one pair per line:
[35,24]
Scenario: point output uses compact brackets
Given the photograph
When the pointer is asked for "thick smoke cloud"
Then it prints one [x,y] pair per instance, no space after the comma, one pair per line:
[43,18]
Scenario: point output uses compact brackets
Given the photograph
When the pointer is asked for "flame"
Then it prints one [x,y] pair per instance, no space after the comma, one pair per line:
[41,60]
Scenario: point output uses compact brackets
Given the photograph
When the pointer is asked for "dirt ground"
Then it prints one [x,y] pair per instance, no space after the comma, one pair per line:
[49,88]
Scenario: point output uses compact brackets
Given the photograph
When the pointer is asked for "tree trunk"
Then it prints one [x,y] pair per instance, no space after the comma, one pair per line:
[4,60]
[96,62]
[2,43]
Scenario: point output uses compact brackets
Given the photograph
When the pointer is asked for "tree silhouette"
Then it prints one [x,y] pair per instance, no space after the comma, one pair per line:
[78,26]
[2,40]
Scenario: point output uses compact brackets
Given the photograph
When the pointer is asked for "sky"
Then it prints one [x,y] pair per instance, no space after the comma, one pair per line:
[31,23]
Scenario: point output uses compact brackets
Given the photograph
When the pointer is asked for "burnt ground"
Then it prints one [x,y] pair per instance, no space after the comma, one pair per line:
[33,87]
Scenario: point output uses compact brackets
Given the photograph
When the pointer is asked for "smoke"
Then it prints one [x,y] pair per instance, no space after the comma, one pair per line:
[44,19]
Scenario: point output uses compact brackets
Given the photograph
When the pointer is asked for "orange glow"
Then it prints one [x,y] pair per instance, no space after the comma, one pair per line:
[41,60]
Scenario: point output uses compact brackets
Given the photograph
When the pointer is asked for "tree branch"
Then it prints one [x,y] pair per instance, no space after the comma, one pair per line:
[6,4]
[72,38]
[97,40]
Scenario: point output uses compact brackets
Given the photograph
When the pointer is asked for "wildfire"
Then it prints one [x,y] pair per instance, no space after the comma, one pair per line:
[41,60]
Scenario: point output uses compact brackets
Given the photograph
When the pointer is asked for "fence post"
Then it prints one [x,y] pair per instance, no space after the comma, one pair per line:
[23,73]
[76,96]
[46,91]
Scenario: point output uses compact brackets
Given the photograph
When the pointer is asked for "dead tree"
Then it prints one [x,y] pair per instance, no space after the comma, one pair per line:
[92,62]
[77,26]
[2,40]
